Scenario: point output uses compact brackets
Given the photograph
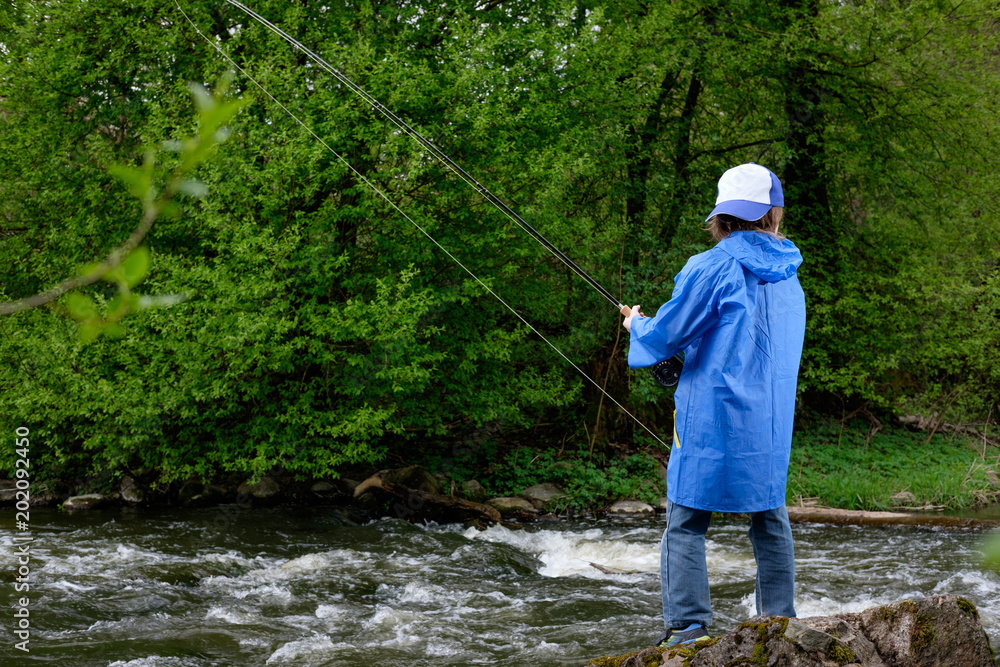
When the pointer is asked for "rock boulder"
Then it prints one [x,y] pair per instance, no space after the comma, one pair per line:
[512,506]
[266,489]
[474,491]
[630,507]
[541,495]
[131,492]
[88,501]
[940,630]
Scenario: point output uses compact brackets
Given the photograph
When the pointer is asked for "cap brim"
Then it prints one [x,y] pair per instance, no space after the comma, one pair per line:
[740,208]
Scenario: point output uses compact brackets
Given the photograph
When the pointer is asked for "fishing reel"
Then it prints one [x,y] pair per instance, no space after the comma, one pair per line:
[668,371]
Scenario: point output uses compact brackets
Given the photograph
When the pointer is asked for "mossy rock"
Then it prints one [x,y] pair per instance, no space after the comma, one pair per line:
[647,657]
[840,654]
[942,630]
[88,501]
[967,607]
[922,634]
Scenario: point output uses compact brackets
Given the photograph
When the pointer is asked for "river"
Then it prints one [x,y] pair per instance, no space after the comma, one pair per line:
[302,586]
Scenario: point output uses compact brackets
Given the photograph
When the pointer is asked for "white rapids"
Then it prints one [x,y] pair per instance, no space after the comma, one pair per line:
[288,586]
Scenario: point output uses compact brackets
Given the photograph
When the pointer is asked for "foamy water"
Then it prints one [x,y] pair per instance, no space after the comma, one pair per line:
[295,587]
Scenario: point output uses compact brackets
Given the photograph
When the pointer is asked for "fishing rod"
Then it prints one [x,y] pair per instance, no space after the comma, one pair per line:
[666,372]
[436,152]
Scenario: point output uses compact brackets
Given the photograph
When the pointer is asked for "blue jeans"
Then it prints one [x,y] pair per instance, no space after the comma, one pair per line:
[684,571]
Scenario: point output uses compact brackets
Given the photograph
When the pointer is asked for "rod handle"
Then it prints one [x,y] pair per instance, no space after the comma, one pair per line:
[626,311]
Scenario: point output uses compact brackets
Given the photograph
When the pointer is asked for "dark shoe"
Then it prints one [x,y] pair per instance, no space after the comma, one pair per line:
[675,637]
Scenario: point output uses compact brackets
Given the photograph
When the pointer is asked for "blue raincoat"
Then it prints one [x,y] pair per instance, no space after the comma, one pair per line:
[738,314]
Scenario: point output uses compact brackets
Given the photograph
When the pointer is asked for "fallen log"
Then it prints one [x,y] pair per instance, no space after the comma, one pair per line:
[421,504]
[862,518]
[935,424]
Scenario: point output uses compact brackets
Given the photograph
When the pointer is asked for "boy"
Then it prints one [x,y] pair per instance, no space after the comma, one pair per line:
[738,314]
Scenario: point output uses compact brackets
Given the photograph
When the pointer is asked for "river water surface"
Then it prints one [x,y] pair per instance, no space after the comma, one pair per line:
[302,586]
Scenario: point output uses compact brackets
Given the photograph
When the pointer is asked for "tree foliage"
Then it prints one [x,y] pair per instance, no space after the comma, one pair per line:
[322,328]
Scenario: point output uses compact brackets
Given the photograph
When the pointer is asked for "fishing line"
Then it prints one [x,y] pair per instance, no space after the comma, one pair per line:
[435,151]
[666,372]
[423,231]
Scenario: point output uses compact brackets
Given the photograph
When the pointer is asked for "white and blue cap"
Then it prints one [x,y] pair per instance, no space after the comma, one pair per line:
[748,192]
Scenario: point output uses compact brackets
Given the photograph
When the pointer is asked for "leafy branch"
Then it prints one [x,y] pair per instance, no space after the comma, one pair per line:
[128,264]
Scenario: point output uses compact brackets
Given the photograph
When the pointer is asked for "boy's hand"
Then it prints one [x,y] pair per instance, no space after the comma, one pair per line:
[628,320]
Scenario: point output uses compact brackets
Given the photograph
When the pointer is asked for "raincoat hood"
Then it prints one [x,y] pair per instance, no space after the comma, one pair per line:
[764,255]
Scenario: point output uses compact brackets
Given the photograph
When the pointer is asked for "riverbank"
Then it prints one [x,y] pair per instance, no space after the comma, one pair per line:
[845,466]
[855,465]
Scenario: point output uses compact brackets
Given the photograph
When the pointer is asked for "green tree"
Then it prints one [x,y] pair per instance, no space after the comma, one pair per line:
[323,329]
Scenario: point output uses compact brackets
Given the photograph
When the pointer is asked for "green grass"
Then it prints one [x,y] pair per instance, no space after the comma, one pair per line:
[832,465]
[841,467]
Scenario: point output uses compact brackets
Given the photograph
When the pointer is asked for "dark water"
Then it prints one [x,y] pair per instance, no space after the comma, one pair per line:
[294,586]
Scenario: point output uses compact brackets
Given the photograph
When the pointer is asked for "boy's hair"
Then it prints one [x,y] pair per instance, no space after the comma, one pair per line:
[722,225]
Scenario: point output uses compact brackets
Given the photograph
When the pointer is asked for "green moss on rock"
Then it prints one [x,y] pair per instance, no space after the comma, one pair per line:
[922,634]
[649,657]
[967,607]
[761,653]
[689,651]
[886,614]
[840,654]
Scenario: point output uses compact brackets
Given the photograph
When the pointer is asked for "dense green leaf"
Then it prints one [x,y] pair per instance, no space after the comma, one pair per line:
[320,328]
[135,266]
